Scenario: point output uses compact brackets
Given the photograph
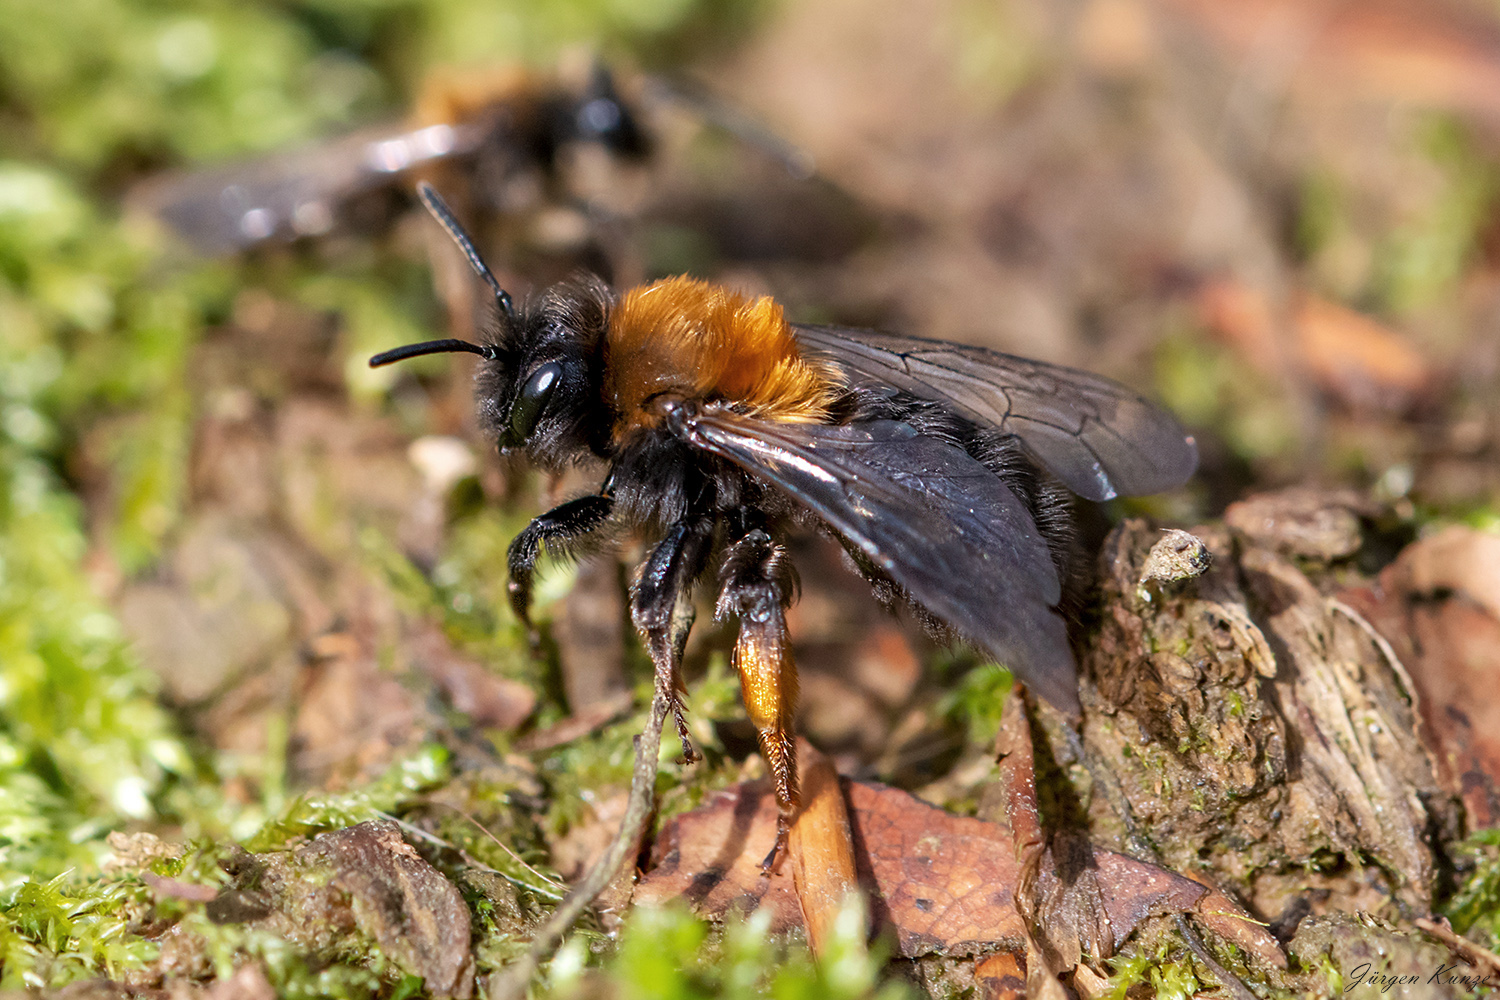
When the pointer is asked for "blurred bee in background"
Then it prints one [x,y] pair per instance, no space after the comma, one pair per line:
[945,471]
[504,132]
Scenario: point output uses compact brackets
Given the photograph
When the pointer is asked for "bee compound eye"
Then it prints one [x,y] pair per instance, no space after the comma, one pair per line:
[532,400]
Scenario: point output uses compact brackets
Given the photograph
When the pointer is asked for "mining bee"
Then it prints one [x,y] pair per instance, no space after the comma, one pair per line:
[945,471]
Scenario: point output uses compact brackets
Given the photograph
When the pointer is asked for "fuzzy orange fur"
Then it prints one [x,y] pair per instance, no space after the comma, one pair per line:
[702,341]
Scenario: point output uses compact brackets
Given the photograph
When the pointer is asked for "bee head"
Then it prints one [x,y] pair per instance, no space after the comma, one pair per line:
[542,394]
[538,383]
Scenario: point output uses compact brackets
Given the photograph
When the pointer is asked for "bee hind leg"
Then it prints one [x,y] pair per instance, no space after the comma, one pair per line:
[756,585]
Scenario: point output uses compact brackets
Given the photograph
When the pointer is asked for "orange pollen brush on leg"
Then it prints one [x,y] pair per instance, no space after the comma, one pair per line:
[755,587]
[702,341]
[768,681]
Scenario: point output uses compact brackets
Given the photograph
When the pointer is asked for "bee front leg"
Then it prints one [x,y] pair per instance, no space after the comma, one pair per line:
[756,585]
[661,606]
[562,524]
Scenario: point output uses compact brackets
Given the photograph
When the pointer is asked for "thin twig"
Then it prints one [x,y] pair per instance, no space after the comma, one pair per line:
[512,984]
[474,862]
[500,844]
[1476,955]
[1231,983]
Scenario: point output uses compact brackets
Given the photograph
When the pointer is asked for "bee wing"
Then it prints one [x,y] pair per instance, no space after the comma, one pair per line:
[223,210]
[1098,437]
[937,522]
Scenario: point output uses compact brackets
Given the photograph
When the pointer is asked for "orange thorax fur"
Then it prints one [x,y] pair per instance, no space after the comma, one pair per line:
[701,341]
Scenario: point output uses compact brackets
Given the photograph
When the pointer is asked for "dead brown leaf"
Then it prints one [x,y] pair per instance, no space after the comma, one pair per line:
[1345,353]
[942,883]
[488,699]
[414,914]
[1438,605]
[710,858]
[1458,559]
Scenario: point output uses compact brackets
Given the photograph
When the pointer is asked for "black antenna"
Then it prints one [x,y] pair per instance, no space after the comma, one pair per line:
[797,162]
[432,347]
[441,212]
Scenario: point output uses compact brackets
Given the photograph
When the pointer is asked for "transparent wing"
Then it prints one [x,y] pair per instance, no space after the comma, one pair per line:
[933,519]
[223,210]
[1098,437]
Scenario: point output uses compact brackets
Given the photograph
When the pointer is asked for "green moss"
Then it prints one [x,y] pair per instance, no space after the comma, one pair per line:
[67,929]
[1476,905]
[1209,385]
[97,330]
[310,814]
[1422,260]
[671,955]
[976,700]
[1169,975]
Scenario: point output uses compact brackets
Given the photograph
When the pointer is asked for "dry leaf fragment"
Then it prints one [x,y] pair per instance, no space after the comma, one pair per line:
[248,982]
[1226,918]
[1450,648]
[1001,976]
[488,699]
[943,883]
[821,848]
[414,913]
[1459,559]
[1302,522]
[1345,353]
[172,888]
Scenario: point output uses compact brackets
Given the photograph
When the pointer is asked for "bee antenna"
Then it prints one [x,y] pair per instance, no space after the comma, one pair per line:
[444,215]
[432,347]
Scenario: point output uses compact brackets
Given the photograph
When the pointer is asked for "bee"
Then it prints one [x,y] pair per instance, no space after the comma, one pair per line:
[945,471]
[493,126]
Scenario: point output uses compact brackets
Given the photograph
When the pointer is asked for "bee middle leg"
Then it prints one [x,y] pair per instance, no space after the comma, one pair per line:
[564,523]
[661,606]
[756,585]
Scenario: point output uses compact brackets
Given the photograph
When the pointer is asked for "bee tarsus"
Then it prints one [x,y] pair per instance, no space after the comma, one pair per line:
[561,527]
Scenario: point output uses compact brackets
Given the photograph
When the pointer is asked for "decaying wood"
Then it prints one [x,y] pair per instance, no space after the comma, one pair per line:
[1247,727]
[1258,729]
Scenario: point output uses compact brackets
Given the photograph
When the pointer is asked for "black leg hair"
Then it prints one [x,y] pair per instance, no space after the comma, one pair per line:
[562,524]
[661,606]
[756,585]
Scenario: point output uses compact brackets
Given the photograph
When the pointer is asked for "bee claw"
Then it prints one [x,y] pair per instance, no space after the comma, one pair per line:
[690,754]
[773,861]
